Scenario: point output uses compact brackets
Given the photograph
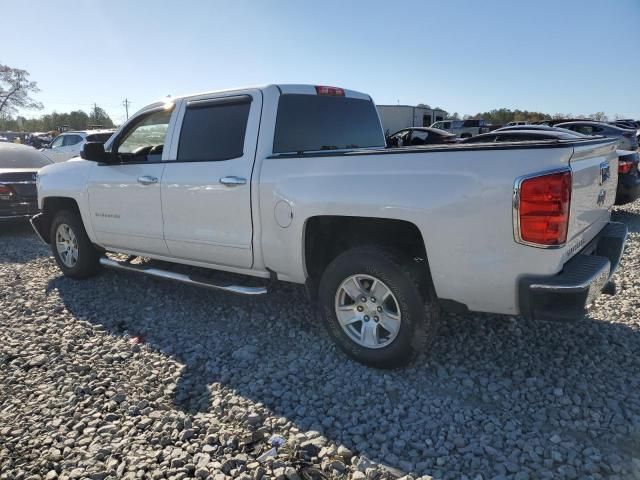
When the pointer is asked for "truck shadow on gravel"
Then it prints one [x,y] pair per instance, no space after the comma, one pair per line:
[495,394]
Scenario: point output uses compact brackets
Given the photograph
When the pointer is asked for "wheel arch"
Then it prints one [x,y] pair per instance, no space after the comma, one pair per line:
[51,205]
[326,236]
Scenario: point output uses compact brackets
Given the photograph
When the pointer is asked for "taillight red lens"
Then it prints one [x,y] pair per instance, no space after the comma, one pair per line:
[629,134]
[330,91]
[624,166]
[543,208]
[5,192]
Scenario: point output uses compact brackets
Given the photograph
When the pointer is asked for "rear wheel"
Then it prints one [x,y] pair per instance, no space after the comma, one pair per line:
[73,251]
[376,307]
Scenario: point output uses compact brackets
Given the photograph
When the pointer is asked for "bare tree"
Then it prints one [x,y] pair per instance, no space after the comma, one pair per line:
[16,90]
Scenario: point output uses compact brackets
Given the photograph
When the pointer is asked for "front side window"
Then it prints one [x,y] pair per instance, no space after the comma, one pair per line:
[400,139]
[319,122]
[144,141]
[58,142]
[214,130]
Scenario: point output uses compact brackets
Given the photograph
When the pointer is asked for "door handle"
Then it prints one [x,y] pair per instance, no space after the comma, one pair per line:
[232,181]
[147,180]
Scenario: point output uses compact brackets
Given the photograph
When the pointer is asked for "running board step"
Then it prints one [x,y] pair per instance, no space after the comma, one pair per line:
[180,277]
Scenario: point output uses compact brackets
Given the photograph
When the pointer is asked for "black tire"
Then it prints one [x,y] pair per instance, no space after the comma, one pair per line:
[419,311]
[88,261]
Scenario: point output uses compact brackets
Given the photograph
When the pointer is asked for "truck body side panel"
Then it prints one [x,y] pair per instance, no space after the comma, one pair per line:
[461,201]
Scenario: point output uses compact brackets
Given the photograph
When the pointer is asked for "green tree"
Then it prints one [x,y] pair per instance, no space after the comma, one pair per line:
[16,90]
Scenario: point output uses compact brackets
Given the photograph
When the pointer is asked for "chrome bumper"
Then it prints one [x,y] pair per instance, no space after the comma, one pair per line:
[567,295]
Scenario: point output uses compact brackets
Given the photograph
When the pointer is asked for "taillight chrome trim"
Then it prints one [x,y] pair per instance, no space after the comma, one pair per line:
[516,208]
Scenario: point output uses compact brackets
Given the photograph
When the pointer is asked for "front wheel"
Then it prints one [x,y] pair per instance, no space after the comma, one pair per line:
[376,307]
[73,251]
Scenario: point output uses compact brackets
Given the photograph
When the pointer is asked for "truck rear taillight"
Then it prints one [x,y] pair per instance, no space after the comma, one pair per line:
[542,207]
[5,192]
[624,166]
[329,91]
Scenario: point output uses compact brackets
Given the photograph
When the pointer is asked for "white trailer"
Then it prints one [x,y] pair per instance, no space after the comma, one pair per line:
[397,117]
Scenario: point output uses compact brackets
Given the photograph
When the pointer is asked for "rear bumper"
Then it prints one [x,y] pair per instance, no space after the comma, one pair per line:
[567,295]
[18,209]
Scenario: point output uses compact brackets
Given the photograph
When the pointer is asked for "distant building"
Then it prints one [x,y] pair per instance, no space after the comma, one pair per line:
[397,117]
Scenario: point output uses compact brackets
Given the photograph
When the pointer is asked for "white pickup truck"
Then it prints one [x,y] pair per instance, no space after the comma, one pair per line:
[294,183]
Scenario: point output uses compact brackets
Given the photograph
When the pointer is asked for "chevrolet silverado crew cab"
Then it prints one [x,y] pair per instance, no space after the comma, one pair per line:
[294,183]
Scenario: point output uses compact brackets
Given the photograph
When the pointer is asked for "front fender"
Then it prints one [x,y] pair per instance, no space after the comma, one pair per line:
[66,180]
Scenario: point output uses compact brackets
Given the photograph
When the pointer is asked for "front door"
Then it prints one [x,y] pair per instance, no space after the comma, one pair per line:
[206,187]
[124,197]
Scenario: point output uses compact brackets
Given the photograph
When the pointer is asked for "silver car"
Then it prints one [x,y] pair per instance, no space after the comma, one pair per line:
[626,138]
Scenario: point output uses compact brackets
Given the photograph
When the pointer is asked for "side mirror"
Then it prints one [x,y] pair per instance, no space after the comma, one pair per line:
[94,151]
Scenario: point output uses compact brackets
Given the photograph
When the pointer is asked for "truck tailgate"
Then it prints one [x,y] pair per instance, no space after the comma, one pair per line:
[594,167]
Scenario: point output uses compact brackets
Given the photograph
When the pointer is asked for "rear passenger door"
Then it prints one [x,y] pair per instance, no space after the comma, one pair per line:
[206,187]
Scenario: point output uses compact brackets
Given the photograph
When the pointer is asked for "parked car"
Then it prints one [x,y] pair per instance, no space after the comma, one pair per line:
[626,138]
[521,136]
[69,144]
[462,128]
[294,183]
[628,177]
[555,121]
[541,128]
[628,124]
[421,136]
[19,165]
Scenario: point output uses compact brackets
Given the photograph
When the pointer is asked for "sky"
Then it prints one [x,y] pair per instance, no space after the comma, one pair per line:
[554,56]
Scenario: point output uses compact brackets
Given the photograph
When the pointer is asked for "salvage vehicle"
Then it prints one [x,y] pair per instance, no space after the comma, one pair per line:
[518,135]
[626,138]
[19,165]
[628,178]
[463,128]
[294,183]
[421,136]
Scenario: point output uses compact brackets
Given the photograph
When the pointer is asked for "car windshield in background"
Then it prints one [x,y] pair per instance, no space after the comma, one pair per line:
[17,156]
[314,122]
[99,137]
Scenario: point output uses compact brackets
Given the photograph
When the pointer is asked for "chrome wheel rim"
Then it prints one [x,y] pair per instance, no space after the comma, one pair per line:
[368,311]
[67,245]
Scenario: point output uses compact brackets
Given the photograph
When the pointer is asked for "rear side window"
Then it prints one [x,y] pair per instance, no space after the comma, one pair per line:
[70,140]
[214,129]
[316,122]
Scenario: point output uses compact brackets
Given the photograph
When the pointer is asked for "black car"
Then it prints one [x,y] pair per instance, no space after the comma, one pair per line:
[420,136]
[628,177]
[19,165]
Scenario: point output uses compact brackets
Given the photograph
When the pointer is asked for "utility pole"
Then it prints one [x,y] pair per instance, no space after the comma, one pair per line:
[126,104]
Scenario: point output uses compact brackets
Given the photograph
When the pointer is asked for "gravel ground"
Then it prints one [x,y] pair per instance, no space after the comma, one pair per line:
[121,376]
